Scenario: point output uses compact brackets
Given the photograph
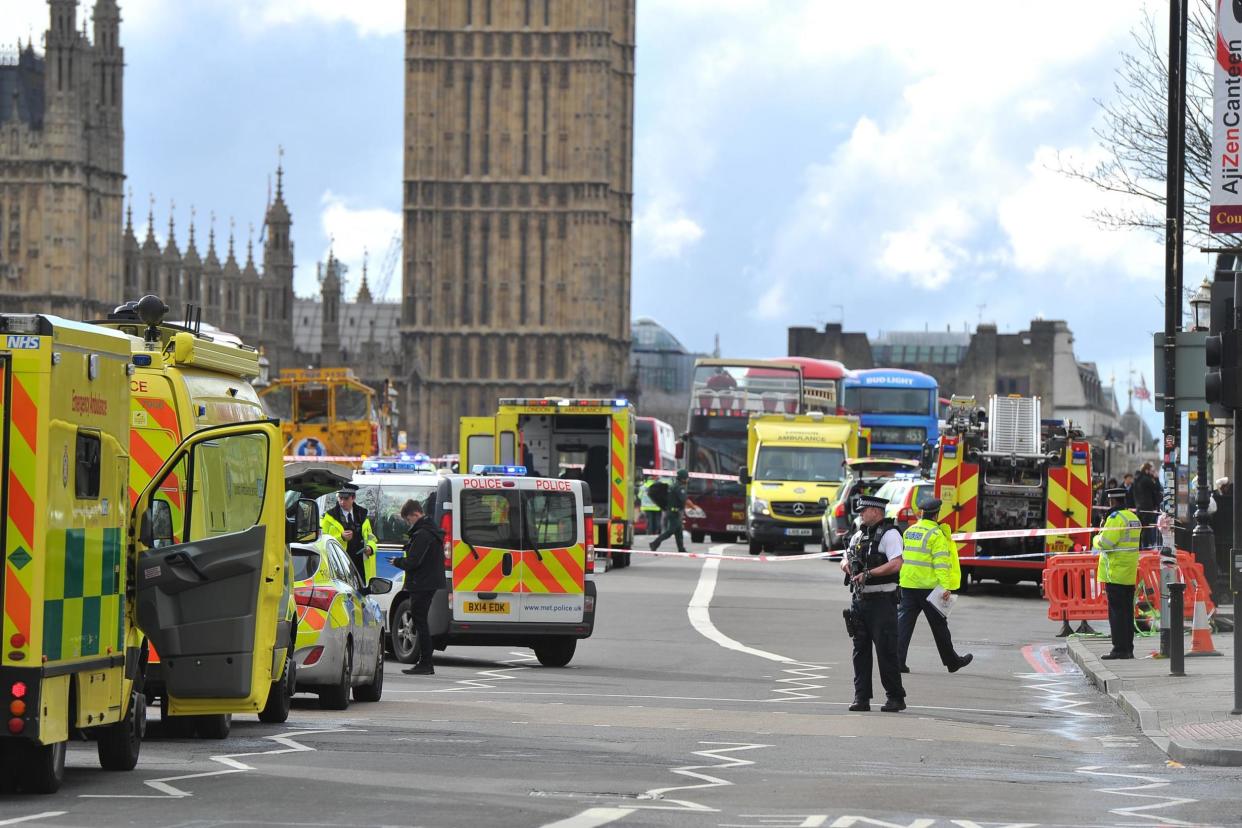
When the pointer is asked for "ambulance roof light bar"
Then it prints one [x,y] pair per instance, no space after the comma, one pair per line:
[501,471]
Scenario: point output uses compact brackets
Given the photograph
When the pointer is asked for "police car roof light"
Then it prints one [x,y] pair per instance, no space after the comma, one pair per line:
[506,471]
[142,360]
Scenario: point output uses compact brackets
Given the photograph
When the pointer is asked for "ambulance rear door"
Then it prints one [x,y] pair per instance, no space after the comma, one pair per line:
[478,442]
[553,569]
[487,549]
[209,588]
[508,452]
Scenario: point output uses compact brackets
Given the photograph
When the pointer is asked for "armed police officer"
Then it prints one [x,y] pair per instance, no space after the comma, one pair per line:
[928,561]
[350,524]
[871,567]
[1118,547]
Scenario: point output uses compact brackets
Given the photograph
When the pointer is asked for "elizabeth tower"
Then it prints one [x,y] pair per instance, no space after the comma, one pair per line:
[519,125]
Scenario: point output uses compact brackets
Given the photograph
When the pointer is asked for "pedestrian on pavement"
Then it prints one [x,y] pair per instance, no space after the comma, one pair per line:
[929,560]
[1118,547]
[1127,481]
[424,576]
[1148,495]
[1222,525]
[673,513]
[650,509]
[350,524]
[872,565]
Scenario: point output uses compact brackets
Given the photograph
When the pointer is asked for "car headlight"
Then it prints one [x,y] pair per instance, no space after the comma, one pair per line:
[759,506]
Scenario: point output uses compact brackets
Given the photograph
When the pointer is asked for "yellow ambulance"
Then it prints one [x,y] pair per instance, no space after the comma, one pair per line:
[84,573]
[569,439]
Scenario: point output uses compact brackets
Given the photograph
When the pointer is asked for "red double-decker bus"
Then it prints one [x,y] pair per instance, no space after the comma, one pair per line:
[724,393]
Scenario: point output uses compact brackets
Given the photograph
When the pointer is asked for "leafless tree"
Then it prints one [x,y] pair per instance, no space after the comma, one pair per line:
[1135,131]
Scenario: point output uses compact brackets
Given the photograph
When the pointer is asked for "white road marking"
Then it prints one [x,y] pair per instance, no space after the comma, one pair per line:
[700,616]
[521,662]
[32,817]
[1151,783]
[169,791]
[591,818]
[801,679]
[706,780]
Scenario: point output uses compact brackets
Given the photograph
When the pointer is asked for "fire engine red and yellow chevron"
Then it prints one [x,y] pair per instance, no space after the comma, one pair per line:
[957,487]
[20,444]
[617,476]
[556,571]
[482,570]
[1068,503]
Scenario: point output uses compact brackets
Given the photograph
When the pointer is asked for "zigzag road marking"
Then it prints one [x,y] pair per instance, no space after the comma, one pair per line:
[1150,783]
[707,781]
[1057,696]
[522,662]
[169,791]
[802,676]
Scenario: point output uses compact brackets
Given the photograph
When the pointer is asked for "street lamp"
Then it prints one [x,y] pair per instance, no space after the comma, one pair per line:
[1201,305]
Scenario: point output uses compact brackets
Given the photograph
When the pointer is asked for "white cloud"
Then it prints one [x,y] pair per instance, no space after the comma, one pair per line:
[931,249]
[353,232]
[665,232]
[368,17]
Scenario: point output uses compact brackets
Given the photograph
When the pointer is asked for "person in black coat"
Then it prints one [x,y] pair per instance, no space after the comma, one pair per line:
[423,565]
[1148,498]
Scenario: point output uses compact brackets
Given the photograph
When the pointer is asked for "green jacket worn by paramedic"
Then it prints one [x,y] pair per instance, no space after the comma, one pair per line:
[362,546]
[929,557]
[1118,545]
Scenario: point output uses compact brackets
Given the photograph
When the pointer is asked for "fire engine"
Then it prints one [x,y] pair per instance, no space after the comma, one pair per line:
[1005,468]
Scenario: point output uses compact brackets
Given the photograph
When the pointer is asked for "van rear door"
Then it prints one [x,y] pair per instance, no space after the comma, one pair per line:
[478,442]
[487,550]
[554,562]
[209,587]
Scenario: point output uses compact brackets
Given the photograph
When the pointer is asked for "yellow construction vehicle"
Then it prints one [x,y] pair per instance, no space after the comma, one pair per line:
[328,413]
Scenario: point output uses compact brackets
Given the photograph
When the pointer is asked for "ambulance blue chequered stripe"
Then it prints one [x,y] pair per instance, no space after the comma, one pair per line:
[84,601]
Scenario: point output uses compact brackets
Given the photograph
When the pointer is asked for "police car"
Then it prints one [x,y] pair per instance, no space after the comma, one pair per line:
[519,558]
[384,485]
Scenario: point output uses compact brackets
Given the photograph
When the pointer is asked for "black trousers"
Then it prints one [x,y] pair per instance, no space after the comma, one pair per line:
[1121,617]
[914,602]
[672,529]
[878,613]
[420,608]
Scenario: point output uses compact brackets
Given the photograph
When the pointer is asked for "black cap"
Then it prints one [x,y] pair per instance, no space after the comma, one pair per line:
[930,504]
[1118,493]
[683,474]
[348,490]
[865,501]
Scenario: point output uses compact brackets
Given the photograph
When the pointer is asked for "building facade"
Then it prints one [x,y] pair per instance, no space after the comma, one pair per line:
[517,204]
[62,170]
[1039,361]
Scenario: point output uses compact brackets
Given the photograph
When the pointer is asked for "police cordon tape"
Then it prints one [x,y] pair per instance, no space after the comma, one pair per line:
[694,475]
[816,556]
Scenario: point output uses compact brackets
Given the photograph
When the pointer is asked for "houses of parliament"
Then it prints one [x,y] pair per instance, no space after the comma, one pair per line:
[517,193]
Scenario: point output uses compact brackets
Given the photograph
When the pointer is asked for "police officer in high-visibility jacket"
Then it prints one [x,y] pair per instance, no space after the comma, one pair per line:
[1118,547]
[929,560]
[350,524]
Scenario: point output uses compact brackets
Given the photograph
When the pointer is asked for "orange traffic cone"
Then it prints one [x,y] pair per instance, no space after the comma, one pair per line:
[1201,633]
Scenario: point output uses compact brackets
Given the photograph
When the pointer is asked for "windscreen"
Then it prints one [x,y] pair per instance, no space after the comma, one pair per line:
[889,400]
[383,504]
[278,402]
[715,454]
[312,403]
[800,463]
[745,387]
[352,403]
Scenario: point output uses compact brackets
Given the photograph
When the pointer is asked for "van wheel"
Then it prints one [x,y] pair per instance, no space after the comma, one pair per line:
[697,537]
[214,725]
[280,696]
[755,547]
[118,744]
[375,689]
[404,636]
[42,769]
[556,653]
[336,697]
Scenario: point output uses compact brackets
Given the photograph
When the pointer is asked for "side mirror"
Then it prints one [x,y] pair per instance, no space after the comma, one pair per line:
[156,528]
[304,527]
[378,586]
[743,476]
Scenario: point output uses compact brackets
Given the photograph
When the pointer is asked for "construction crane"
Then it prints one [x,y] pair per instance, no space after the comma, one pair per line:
[389,267]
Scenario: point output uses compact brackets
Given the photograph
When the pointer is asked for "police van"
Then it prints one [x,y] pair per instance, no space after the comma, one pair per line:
[519,559]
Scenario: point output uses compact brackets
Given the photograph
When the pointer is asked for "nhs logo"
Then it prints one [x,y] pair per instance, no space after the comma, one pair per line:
[21,343]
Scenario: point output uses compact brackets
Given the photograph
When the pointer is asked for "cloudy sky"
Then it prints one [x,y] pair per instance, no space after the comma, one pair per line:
[891,165]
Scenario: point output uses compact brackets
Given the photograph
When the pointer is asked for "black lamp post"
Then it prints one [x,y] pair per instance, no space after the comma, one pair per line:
[1202,542]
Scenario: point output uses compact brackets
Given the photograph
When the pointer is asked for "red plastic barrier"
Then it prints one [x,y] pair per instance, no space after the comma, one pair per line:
[1071,589]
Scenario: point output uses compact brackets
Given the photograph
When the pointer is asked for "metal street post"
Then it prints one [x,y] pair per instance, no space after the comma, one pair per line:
[1235,554]
[1174,186]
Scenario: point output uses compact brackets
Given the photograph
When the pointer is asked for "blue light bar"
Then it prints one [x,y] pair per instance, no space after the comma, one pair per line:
[143,360]
[1080,458]
[507,471]
[386,465]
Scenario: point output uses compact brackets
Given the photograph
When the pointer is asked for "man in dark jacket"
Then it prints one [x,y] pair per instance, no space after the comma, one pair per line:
[1222,527]
[1148,496]
[673,509]
[423,565]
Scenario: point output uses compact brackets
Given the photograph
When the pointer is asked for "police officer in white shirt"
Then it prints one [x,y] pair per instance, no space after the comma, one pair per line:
[871,567]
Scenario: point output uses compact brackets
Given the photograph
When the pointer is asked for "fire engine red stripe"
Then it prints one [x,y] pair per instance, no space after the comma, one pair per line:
[21,509]
[16,602]
[162,413]
[24,415]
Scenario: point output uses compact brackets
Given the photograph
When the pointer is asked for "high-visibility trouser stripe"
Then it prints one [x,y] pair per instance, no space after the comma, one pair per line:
[928,564]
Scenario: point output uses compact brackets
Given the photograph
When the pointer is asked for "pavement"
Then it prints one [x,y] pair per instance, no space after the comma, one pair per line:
[713,694]
[1188,717]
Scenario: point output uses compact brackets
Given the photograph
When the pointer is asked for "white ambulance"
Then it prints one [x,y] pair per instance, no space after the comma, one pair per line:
[519,559]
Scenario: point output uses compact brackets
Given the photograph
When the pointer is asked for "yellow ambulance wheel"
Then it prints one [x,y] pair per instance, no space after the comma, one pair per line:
[42,769]
[119,743]
[280,696]
[214,725]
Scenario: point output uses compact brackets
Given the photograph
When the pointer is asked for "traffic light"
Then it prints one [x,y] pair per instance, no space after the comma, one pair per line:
[1222,384]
